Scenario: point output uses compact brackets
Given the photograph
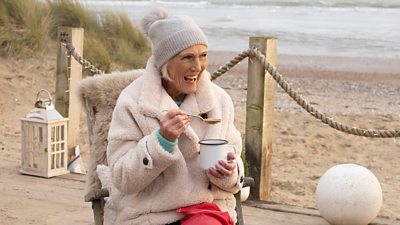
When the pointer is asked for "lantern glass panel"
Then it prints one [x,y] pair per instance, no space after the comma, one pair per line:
[57,133]
[62,159]
[62,132]
[53,134]
[57,160]
[52,161]
[40,135]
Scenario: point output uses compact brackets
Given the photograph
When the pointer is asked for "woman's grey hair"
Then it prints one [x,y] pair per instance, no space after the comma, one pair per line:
[164,72]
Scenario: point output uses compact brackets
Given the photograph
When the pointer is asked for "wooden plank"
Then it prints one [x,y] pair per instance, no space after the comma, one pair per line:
[283,208]
[259,216]
[74,107]
[293,215]
[61,98]
[69,73]
[73,176]
[259,118]
[269,108]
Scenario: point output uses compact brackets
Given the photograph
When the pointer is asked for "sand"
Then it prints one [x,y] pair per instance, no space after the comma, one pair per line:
[357,92]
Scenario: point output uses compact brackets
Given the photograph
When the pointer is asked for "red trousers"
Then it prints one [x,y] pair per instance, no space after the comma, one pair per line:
[204,214]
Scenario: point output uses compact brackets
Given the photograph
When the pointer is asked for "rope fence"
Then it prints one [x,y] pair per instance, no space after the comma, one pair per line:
[256,54]
[85,63]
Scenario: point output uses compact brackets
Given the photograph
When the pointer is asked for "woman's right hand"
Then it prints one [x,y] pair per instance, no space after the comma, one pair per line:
[173,124]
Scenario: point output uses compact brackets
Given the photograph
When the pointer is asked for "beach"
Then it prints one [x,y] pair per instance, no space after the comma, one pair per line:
[359,92]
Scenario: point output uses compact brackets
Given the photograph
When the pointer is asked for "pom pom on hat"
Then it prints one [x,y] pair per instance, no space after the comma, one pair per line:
[156,14]
[170,35]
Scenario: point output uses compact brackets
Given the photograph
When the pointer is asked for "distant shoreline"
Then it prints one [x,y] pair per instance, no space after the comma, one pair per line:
[333,63]
[322,67]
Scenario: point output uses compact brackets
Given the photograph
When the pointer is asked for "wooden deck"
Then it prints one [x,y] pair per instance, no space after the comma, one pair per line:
[260,213]
[59,200]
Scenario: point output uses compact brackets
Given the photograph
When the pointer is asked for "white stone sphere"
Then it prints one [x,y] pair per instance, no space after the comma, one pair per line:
[348,194]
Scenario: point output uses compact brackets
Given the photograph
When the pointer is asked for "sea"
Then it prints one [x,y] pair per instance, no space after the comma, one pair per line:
[349,28]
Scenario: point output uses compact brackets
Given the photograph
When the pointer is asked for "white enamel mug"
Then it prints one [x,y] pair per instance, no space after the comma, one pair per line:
[213,150]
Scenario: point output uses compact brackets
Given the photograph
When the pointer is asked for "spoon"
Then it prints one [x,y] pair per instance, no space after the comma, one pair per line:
[207,120]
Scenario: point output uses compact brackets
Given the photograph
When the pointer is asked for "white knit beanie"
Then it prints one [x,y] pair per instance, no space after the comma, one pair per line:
[170,34]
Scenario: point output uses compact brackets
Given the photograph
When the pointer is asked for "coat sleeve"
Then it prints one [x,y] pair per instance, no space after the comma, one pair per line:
[135,160]
[234,182]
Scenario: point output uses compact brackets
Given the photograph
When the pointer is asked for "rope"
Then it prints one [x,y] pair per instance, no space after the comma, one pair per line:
[86,64]
[254,53]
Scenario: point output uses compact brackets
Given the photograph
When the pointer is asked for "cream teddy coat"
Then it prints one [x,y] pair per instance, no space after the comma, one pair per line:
[153,182]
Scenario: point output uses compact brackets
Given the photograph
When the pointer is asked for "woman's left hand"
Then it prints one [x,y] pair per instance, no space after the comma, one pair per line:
[224,168]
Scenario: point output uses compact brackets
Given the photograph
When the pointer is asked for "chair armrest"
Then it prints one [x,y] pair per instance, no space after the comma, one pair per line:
[96,195]
[248,182]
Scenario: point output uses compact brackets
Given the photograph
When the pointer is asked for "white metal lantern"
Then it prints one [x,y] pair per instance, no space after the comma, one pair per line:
[44,140]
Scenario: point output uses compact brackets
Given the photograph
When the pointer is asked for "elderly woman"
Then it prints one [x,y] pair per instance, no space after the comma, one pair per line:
[153,146]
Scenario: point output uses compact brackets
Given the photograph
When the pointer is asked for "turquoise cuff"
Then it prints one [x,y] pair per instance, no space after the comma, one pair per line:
[165,143]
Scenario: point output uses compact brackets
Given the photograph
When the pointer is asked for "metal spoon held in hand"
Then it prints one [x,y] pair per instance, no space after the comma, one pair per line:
[207,120]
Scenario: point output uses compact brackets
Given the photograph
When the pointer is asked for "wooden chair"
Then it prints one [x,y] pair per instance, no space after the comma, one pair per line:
[98,95]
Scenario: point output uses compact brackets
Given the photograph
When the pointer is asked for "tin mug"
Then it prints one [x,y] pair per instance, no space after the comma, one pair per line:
[213,150]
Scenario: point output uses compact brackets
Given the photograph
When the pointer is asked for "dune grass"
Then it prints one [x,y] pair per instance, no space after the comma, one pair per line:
[111,40]
[24,24]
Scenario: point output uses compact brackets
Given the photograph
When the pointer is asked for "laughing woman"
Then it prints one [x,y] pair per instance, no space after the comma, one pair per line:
[153,149]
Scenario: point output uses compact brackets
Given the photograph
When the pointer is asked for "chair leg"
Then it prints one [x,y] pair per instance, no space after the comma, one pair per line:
[98,211]
[240,220]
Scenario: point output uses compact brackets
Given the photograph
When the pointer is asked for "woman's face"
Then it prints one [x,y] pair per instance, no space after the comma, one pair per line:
[185,69]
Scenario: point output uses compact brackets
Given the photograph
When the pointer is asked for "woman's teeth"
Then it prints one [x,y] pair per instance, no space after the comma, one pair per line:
[191,78]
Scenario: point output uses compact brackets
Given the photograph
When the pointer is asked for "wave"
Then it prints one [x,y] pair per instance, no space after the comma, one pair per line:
[254,3]
[145,3]
[326,30]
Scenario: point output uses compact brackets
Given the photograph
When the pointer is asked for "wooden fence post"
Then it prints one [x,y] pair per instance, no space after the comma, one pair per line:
[69,73]
[259,117]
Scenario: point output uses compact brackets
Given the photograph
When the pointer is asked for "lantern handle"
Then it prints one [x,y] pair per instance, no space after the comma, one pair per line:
[43,103]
